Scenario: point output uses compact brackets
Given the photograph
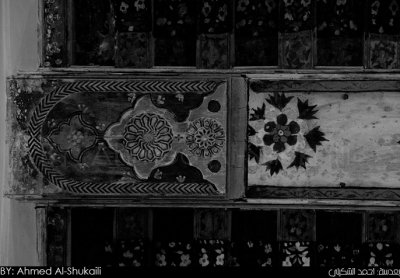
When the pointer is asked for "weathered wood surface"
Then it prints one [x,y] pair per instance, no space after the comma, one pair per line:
[85,136]
[335,140]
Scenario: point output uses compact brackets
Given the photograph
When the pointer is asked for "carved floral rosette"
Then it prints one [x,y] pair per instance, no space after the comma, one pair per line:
[138,137]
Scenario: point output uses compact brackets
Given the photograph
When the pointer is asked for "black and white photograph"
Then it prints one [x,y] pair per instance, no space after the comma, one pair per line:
[203,137]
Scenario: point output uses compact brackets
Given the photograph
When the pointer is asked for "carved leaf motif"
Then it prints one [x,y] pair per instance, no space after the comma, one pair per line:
[254,152]
[306,112]
[274,166]
[278,100]
[314,138]
[300,160]
[258,113]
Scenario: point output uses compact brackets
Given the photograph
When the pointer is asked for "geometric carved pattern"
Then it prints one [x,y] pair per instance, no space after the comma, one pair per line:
[39,115]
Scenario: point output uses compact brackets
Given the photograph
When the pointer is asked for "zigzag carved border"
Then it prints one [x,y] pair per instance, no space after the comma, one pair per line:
[39,115]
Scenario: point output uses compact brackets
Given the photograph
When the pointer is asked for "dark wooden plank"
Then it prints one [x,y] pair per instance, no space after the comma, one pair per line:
[332,84]
[382,41]
[340,24]
[215,16]
[296,50]
[351,193]
[91,233]
[297,225]
[41,236]
[175,33]
[56,236]
[214,51]
[382,226]
[256,33]
[237,137]
[94,33]
[212,224]
[296,16]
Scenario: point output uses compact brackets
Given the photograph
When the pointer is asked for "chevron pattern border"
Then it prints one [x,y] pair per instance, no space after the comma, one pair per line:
[141,86]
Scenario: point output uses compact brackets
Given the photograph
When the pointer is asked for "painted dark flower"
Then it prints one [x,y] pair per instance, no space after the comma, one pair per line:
[281,133]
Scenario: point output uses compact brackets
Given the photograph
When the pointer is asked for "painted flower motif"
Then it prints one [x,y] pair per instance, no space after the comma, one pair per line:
[242,5]
[160,260]
[268,248]
[182,10]
[394,7]
[148,137]
[123,7]
[298,254]
[383,55]
[280,133]
[185,260]
[288,2]
[206,10]
[73,137]
[375,7]
[305,3]
[139,5]
[220,259]
[341,2]
[203,261]
[205,137]
[222,12]
[270,4]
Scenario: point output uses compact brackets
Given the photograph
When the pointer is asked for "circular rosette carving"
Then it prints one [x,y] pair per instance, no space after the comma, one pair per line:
[147,137]
[205,137]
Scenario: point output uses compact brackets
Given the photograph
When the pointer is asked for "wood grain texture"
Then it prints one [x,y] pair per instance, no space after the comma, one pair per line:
[41,237]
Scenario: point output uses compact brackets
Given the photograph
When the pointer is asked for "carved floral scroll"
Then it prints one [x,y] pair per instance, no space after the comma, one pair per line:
[118,137]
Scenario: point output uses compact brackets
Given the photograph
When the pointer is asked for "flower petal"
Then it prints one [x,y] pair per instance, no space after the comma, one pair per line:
[281,119]
[268,139]
[292,140]
[279,147]
[269,127]
[294,127]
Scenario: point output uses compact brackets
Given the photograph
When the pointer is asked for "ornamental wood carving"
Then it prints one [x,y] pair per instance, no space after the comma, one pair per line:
[124,137]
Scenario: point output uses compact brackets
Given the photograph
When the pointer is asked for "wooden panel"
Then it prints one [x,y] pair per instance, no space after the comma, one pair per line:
[133,26]
[324,139]
[215,16]
[382,226]
[256,33]
[214,51]
[132,223]
[212,224]
[340,26]
[175,33]
[54,33]
[297,225]
[92,232]
[383,41]
[56,236]
[83,136]
[296,50]
[93,33]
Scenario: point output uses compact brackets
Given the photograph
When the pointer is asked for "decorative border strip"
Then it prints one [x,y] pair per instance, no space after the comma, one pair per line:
[38,156]
[352,193]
